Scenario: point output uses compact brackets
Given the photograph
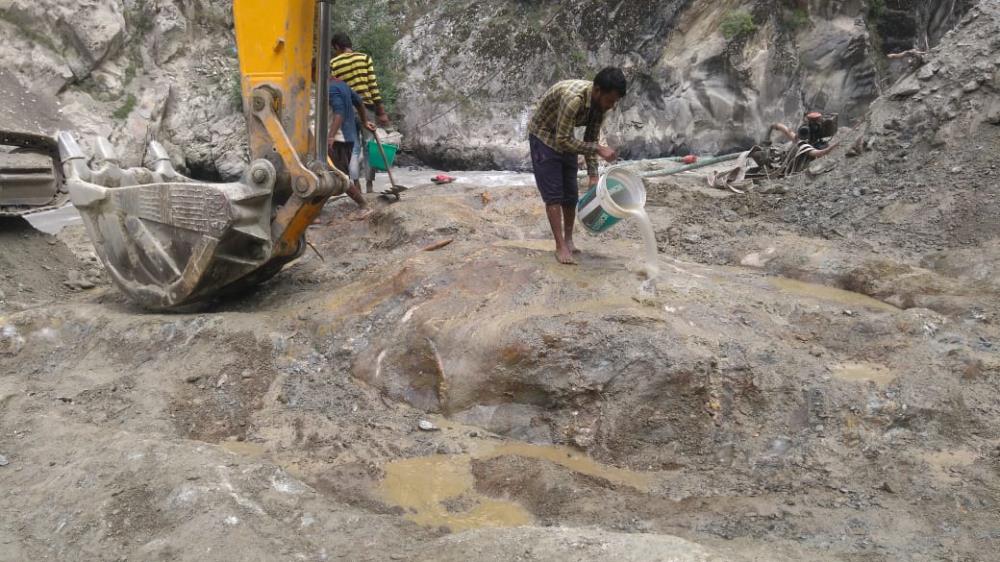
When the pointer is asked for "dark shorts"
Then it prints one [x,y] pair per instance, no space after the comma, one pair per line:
[555,174]
[340,154]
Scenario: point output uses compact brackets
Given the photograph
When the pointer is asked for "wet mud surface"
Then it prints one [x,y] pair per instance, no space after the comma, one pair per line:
[760,411]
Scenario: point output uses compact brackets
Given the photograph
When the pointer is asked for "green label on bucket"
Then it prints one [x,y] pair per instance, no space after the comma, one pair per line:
[586,199]
[597,220]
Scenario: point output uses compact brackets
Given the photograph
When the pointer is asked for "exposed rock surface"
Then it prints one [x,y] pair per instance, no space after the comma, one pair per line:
[928,178]
[166,69]
[565,544]
[476,70]
[132,71]
[737,407]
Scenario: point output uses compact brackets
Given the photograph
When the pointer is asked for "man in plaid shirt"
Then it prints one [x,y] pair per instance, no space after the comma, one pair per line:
[554,148]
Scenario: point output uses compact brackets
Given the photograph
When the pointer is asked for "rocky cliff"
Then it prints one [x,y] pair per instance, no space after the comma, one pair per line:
[705,76]
[130,70]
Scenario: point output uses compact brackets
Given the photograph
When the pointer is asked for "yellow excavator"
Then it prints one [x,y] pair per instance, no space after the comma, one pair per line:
[167,240]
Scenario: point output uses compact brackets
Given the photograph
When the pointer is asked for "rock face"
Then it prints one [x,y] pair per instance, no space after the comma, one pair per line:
[927,163]
[949,96]
[135,70]
[53,44]
[566,544]
[905,24]
[475,70]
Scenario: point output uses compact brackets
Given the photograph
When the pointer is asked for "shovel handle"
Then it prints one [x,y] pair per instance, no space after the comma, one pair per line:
[378,141]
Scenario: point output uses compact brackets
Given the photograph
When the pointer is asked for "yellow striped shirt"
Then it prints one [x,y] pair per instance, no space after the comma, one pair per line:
[358,70]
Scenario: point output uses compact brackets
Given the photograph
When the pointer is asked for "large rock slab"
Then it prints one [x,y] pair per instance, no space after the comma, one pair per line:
[691,88]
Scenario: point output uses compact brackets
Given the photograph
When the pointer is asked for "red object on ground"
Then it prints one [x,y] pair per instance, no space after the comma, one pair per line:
[442,178]
[690,159]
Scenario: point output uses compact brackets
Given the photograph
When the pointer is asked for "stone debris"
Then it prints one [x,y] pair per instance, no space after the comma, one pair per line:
[77,281]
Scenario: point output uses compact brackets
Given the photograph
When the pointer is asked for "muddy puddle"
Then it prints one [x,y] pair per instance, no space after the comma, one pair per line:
[864,372]
[244,448]
[599,256]
[944,464]
[439,490]
[823,292]
[536,245]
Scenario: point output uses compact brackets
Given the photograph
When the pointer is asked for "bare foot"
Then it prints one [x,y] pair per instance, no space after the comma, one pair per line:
[565,256]
[360,215]
[572,247]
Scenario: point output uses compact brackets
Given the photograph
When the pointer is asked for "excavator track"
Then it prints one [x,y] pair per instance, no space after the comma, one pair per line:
[31,179]
[23,211]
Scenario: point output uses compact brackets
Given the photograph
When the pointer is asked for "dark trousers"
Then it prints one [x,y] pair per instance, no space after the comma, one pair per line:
[340,154]
[555,173]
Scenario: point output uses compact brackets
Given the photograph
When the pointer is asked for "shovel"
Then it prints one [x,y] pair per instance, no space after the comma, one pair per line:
[396,189]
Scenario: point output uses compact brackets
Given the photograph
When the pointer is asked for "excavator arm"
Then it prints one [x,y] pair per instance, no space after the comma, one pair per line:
[167,240]
[275,44]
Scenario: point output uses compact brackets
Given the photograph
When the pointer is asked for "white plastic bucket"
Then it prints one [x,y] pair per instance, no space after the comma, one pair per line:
[618,195]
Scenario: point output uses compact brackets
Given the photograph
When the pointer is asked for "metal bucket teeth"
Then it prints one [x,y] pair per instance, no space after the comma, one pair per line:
[165,239]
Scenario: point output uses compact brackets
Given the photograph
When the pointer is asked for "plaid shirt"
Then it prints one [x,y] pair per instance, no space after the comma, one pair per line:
[565,106]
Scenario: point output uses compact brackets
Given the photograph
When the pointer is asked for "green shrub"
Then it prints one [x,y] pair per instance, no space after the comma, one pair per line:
[130,71]
[876,8]
[736,23]
[122,112]
[139,22]
[236,92]
[372,31]
[798,19]
[23,24]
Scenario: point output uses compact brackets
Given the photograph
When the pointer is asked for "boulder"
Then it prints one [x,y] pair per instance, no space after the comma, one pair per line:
[582,545]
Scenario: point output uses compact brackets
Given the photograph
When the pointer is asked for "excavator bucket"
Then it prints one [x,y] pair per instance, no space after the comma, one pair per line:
[30,176]
[167,240]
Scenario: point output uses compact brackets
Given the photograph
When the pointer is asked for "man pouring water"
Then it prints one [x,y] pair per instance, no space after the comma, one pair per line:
[554,147]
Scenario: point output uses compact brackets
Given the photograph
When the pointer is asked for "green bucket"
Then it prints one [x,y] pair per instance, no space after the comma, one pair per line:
[616,196]
[375,159]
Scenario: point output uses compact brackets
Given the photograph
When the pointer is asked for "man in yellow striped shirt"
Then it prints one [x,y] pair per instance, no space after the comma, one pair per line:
[358,70]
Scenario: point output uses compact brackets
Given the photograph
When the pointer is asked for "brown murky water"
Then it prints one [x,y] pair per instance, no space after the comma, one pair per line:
[423,486]
[439,490]
[244,448]
[943,464]
[840,296]
[537,245]
[878,374]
